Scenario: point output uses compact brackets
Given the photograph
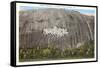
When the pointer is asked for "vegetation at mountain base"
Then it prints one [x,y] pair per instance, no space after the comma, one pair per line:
[51,53]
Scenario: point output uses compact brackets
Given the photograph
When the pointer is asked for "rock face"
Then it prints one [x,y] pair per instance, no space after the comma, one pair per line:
[54,27]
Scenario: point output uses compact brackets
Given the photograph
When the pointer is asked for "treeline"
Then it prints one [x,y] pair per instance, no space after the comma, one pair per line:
[37,53]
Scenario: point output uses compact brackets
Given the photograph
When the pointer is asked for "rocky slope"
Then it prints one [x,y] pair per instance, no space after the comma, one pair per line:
[54,27]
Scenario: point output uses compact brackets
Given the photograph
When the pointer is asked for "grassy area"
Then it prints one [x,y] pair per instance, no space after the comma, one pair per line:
[51,53]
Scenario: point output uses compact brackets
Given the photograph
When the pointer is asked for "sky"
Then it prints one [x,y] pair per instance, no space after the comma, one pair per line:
[83,11]
[86,11]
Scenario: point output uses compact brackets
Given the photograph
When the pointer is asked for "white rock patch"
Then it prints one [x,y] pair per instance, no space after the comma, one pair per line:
[55,31]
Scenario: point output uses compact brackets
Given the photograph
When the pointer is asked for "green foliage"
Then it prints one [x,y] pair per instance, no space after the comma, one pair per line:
[36,53]
[46,52]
